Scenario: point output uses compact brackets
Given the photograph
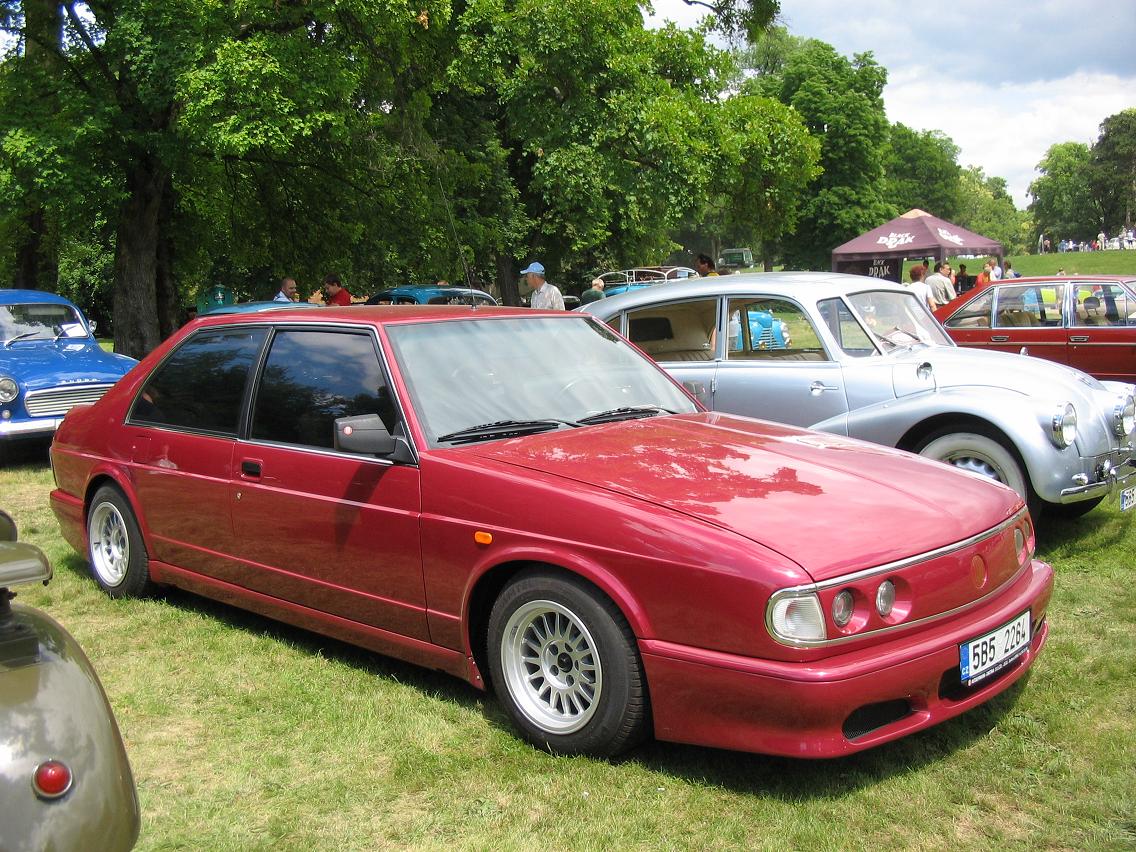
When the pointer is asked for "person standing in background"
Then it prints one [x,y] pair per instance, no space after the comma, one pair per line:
[287,291]
[593,293]
[334,291]
[545,296]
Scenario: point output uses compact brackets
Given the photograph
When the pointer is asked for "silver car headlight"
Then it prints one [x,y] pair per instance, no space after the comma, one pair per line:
[9,390]
[1124,417]
[796,617]
[1064,428]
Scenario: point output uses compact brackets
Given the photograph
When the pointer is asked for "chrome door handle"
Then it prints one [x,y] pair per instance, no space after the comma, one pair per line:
[1079,338]
[999,338]
[817,388]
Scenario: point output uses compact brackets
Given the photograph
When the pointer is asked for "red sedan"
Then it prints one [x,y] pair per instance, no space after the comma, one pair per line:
[1086,322]
[526,501]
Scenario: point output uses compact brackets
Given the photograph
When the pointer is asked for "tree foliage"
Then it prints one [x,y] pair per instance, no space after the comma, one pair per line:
[1114,169]
[1064,205]
[988,209]
[840,101]
[922,172]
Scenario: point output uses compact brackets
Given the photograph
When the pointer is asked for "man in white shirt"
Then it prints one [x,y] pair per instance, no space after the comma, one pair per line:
[996,270]
[940,283]
[544,296]
[287,291]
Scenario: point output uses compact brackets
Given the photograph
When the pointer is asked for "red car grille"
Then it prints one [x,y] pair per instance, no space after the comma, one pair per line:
[55,402]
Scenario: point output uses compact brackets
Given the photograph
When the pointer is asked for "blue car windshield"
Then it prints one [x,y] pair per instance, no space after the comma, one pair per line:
[39,320]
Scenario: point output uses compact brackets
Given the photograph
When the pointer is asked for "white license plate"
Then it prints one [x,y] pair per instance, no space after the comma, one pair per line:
[1127,498]
[982,657]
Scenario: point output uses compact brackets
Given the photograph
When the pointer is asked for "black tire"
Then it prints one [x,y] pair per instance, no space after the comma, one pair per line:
[565,666]
[985,454]
[117,554]
[1071,511]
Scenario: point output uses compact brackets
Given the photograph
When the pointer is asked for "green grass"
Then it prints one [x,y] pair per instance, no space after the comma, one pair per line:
[247,734]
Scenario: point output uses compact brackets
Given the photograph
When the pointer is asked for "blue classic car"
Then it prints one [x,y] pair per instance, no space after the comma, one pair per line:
[413,294]
[49,362]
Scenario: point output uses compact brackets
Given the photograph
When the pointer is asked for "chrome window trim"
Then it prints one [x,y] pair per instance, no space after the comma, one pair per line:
[898,565]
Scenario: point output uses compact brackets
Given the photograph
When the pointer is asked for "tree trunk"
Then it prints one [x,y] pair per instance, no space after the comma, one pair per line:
[168,301]
[136,328]
[37,267]
[507,281]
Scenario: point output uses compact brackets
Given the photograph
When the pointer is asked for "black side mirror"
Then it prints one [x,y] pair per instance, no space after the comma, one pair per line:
[364,434]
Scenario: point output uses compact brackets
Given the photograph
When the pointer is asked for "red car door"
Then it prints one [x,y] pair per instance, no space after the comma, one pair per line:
[184,425]
[334,532]
[1102,336]
[1030,316]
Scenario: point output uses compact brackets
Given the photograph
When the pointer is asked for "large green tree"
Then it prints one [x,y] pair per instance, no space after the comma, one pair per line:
[921,171]
[841,103]
[198,114]
[1064,205]
[1114,169]
[988,209]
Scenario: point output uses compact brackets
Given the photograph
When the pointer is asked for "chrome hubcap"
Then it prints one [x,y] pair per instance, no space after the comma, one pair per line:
[551,666]
[109,544]
[978,465]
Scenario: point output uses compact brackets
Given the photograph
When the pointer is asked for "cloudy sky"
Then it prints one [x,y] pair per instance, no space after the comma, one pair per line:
[1005,79]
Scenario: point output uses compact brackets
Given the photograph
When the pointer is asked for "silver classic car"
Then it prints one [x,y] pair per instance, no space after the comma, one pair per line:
[861,357]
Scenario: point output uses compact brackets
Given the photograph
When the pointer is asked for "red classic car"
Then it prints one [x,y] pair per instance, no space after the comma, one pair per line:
[1087,322]
[522,498]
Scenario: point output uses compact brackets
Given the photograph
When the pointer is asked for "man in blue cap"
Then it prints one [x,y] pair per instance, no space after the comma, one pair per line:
[544,296]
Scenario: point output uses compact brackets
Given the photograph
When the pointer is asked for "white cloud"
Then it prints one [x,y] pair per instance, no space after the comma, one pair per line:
[1007,129]
[1004,80]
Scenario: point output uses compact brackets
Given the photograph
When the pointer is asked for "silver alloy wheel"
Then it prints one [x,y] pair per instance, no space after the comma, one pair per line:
[551,666]
[109,543]
[976,464]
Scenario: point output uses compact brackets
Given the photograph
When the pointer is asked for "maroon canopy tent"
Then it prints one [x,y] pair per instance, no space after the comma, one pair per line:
[880,252]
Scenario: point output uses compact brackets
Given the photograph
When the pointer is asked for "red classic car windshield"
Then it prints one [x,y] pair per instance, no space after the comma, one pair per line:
[464,373]
[39,320]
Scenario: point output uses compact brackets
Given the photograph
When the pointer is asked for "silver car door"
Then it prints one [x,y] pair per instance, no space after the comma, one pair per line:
[776,366]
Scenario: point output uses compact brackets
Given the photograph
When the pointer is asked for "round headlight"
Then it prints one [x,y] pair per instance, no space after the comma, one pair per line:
[1064,431]
[843,606]
[1124,417]
[9,390]
[885,598]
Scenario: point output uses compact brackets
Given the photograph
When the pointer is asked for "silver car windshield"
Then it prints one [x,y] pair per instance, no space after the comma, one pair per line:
[896,320]
[496,377]
[38,320]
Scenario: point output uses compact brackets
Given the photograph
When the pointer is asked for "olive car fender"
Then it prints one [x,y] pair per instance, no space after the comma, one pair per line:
[57,709]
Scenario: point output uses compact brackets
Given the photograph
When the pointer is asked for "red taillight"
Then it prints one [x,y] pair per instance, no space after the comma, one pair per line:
[52,779]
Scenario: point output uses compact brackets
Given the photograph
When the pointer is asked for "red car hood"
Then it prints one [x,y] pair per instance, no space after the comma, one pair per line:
[830,504]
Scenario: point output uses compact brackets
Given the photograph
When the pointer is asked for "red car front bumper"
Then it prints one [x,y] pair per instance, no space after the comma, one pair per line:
[840,704]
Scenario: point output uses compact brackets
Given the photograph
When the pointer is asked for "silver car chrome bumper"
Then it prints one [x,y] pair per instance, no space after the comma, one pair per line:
[1117,477]
[26,428]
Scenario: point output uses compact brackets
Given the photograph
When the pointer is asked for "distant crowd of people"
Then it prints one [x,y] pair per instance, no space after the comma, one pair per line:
[1125,239]
[944,284]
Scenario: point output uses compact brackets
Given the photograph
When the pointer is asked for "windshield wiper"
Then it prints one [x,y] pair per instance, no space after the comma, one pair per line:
[629,412]
[503,429]
[23,336]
